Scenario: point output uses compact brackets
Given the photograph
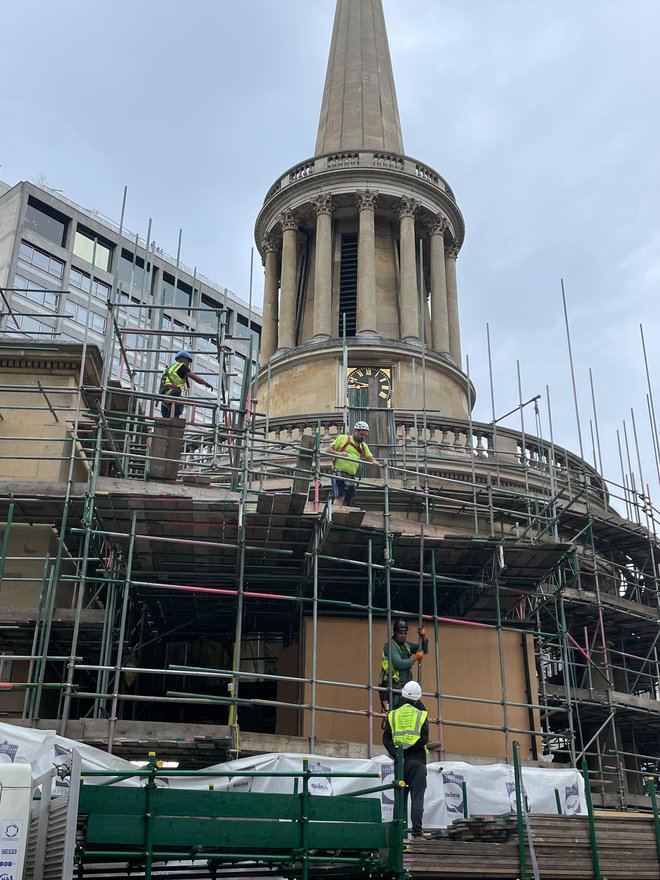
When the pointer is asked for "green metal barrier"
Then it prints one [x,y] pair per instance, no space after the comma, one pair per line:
[592,823]
[520,793]
[296,831]
[650,784]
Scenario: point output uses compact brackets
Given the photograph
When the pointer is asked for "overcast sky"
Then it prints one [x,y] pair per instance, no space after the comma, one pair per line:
[543,117]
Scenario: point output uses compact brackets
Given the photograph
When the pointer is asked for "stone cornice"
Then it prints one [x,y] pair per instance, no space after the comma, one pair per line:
[342,175]
[364,159]
[56,357]
[375,349]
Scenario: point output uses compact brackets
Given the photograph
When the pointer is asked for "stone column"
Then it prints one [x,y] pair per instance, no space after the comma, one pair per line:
[439,313]
[323,267]
[452,303]
[269,328]
[367,319]
[287,327]
[408,270]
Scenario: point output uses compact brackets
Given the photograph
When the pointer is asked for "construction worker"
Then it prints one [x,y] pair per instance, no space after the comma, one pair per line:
[175,378]
[399,657]
[351,450]
[408,726]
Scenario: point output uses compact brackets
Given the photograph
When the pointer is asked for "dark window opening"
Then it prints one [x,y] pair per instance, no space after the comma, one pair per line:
[179,297]
[45,221]
[253,331]
[131,267]
[348,274]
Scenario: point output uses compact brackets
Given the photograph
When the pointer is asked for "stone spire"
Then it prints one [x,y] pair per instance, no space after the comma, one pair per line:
[359,109]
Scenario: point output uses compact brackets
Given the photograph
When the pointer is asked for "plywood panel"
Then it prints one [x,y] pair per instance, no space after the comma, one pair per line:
[469,668]
[288,720]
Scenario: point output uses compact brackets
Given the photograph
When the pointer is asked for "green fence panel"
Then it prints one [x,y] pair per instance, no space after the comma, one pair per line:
[256,834]
[221,804]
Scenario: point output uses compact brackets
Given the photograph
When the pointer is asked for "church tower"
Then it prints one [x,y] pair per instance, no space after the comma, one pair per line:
[359,245]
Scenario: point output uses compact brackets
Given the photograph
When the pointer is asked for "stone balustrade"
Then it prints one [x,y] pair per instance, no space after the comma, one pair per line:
[449,447]
[363,159]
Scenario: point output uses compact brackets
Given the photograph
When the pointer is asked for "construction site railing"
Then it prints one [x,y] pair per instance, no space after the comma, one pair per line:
[276,829]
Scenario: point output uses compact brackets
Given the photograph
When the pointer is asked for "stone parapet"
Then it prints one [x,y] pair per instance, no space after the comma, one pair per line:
[435,447]
[343,174]
[360,159]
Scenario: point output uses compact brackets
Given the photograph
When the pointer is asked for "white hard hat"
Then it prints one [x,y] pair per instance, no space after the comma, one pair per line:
[411,691]
[361,426]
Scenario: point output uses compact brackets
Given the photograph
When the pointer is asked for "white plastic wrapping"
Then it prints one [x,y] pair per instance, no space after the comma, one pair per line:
[490,787]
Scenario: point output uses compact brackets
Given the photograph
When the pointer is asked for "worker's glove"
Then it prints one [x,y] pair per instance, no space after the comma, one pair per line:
[418,656]
[421,630]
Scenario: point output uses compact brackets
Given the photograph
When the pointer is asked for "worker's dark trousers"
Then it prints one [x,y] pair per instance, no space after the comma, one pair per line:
[414,775]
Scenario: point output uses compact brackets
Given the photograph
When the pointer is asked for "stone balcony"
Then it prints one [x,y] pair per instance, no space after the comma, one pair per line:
[365,159]
[342,173]
[423,450]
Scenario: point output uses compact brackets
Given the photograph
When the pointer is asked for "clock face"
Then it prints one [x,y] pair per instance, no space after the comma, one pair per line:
[377,381]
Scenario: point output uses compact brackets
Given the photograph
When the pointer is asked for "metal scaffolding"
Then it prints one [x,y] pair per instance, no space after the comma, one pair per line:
[210,601]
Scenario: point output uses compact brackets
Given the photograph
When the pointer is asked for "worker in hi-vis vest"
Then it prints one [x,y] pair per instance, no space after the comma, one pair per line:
[399,658]
[408,726]
[349,450]
[174,379]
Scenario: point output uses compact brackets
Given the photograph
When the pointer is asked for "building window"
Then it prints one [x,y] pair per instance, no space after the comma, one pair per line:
[83,281]
[208,318]
[132,268]
[83,247]
[253,331]
[78,314]
[41,260]
[30,290]
[31,327]
[178,297]
[207,346]
[348,285]
[235,393]
[46,222]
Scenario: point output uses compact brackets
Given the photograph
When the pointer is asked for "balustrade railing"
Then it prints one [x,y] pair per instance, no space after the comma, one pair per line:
[343,160]
[416,447]
[388,160]
[442,446]
[426,174]
[363,159]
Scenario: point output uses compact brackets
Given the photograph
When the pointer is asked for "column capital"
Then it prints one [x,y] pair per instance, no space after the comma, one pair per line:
[366,199]
[408,207]
[323,204]
[438,225]
[452,250]
[269,243]
[288,220]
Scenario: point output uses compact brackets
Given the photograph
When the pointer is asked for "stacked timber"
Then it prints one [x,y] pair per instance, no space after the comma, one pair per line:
[497,829]
[626,850]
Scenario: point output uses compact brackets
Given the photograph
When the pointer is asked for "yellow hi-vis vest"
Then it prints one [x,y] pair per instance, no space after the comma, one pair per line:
[406,723]
[357,452]
[171,377]
[385,662]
